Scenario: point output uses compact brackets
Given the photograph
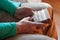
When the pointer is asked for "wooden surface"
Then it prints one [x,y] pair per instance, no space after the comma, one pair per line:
[56,7]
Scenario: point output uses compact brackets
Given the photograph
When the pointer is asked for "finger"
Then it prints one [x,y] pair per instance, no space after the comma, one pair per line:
[27,18]
[39,24]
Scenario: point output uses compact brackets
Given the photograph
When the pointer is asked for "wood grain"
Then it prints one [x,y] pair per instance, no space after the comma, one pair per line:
[56,7]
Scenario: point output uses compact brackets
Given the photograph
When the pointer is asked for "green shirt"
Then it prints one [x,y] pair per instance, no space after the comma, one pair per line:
[9,28]
[9,6]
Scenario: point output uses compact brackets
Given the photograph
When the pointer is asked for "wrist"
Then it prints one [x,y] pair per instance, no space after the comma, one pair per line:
[19,30]
[17,13]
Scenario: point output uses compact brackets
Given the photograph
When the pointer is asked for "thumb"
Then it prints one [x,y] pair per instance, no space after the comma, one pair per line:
[28,18]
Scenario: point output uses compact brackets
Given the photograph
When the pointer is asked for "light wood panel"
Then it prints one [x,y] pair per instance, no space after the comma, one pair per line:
[56,7]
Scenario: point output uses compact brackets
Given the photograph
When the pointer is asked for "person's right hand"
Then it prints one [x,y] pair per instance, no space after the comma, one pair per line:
[22,12]
[27,26]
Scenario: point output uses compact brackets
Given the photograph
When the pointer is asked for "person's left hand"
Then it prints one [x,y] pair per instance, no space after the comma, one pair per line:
[22,12]
[26,25]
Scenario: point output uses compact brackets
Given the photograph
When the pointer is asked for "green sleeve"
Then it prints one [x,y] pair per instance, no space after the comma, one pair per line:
[7,29]
[9,6]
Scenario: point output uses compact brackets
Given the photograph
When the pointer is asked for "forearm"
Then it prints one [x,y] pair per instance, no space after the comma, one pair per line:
[8,29]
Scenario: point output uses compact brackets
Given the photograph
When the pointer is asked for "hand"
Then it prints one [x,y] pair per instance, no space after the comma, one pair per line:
[22,12]
[27,26]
